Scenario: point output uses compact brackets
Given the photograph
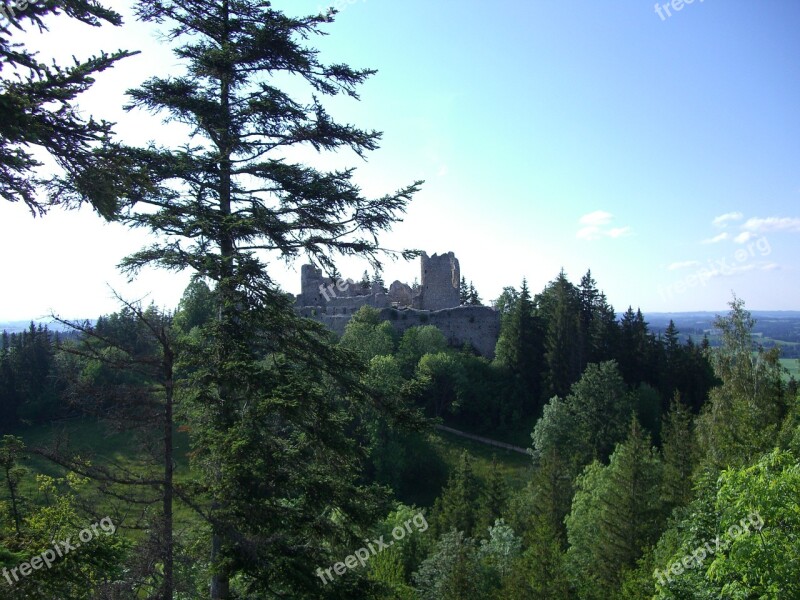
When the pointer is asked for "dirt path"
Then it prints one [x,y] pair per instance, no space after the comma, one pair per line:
[482,440]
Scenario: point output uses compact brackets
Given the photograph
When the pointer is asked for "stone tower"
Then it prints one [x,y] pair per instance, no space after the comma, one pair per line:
[440,279]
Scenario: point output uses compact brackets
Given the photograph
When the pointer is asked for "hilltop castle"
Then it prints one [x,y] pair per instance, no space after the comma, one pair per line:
[435,301]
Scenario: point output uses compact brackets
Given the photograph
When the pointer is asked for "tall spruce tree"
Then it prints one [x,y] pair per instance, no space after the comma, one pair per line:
[560,305]
[617,512]
[459,505]
[680,454]
[519,346]
[279,475]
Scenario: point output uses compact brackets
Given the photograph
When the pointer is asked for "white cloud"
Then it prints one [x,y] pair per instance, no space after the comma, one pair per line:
[596,218]
[686,264]
[760,225]
[770,267]
[594,226]
[618,232]
[722,220]
[717,238]
[744,237]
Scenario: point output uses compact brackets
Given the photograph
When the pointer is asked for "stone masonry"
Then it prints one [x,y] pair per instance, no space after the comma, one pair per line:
[436,301]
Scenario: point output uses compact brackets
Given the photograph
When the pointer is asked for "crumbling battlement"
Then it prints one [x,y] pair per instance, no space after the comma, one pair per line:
[440,278]
[435,302]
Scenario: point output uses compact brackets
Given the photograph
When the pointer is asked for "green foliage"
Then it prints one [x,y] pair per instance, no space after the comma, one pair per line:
[395,565]
[486,398]
[417,342]
[399,457]
[501,549]
[589,422]
[519,346]
[458,507]
[638,350]
[271,404]
[680,454]
[765,562]
[744,526]
[31,378]
[538,573]
[468,294]
[39,113]
[560,304]
[10,453]
[616,514]
[648,409]
[444,374]
[196,307]
[494,501]
[368,340]
[539,509]
[638,584]
[28,529]
[744,414]
[453,571]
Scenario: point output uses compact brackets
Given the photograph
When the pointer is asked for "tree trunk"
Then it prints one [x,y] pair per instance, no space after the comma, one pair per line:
[168,540]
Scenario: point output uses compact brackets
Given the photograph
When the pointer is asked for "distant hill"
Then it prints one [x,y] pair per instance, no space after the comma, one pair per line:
[17,326]
[781,327]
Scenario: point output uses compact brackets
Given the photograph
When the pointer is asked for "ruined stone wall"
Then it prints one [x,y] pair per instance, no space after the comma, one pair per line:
[478,326]
[311,280]
[440,279]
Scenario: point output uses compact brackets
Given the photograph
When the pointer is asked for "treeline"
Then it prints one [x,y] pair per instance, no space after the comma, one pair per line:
[546,343]
[31,389]
[547,340]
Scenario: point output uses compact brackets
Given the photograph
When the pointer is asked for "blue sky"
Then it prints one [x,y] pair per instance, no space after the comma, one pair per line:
[663,154]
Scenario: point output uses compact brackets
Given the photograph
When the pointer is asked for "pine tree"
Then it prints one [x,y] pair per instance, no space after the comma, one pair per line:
[680,454]
[563,340]
[616,513]
[39,110]
[588,296]
[473,298]
[377,278]
[221,201]
[519,347]
[457,507]
[452,571]
[366,284]
[495,498]
[9,399]
[463,291]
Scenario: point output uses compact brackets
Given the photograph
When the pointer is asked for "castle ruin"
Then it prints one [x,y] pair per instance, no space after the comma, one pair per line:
[436,301]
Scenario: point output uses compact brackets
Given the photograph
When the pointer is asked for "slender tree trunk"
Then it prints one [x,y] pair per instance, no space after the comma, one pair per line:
[168,540]
[219,581]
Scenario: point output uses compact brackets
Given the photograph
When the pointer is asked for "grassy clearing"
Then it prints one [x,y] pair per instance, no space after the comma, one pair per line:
[93,440]
[793,366]
[517,468]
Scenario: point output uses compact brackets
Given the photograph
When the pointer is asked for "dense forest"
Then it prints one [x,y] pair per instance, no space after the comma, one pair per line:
[643,458]
[230,449]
